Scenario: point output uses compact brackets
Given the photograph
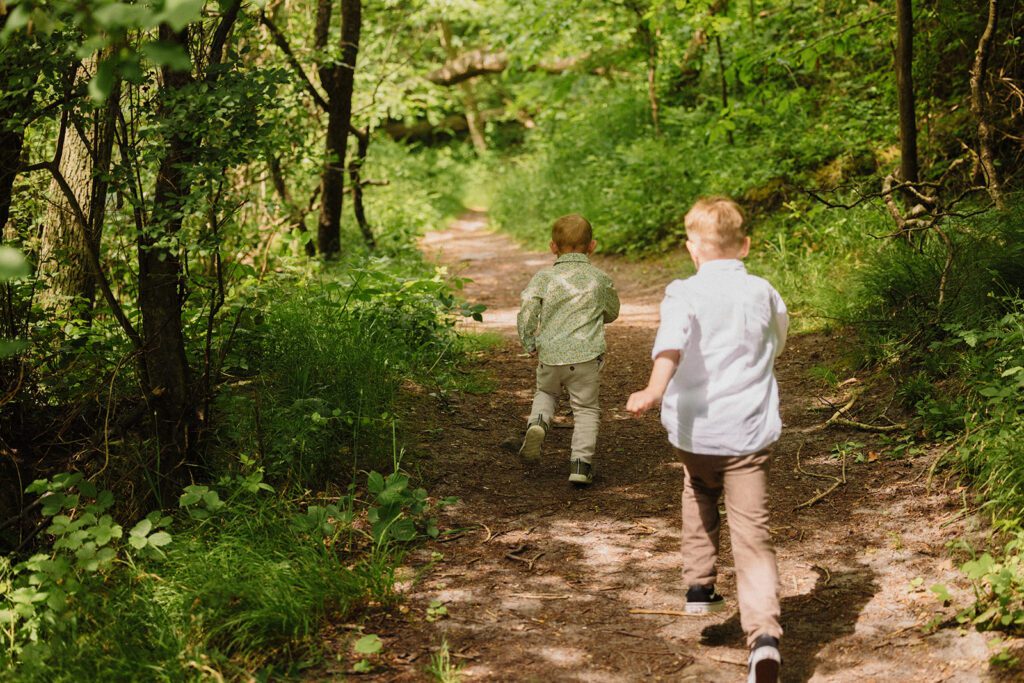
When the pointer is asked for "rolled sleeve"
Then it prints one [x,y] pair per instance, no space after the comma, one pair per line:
[676,323]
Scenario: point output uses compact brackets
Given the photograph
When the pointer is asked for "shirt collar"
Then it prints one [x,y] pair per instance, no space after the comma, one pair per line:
[572,257]
[723,265]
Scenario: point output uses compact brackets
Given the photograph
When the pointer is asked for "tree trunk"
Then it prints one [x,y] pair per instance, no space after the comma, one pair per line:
[473,119]
[979,105]
[160,297]
[64,263]
[11,142]
[338,80]
[355,167]
[905,90]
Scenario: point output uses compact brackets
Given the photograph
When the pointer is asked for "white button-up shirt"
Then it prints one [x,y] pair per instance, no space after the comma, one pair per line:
[729,326]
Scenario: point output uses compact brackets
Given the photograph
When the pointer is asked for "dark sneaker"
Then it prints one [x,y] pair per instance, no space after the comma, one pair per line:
[765,660]
[535,433]
[703,600]
[581,472]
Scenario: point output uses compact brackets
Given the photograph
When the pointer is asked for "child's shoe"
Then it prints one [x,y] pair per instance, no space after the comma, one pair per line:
[535,433]
[765,660]
[581,472]
[703,600]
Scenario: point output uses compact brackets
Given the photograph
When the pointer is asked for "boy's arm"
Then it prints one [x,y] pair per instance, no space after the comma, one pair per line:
[665,364]
[780,316]
[673,334]
[610,303]
[528,320]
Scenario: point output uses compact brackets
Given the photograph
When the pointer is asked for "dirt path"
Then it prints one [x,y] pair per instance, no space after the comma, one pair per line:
[541,582]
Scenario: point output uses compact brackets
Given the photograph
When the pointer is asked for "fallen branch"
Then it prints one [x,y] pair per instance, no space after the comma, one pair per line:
[839,418]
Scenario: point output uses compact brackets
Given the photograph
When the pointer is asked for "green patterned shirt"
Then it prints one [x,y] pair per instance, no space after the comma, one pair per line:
[565,308]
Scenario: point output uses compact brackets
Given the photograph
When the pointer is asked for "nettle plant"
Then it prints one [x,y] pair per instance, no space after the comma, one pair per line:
[38,596]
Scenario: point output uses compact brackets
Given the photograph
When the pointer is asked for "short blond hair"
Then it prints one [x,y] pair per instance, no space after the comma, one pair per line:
[572,232]
[719,223]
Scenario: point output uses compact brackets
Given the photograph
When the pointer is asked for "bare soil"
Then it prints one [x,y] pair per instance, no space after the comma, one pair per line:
[541,580]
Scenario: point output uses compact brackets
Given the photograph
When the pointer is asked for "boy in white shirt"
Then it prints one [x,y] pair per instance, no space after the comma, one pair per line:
[719,335]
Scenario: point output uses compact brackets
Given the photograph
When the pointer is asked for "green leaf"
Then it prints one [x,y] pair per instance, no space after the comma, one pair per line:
[180,13]
[138,542]
[120,15]
[13,264]
[102,83]
[368,645]
[375,482]
[160,538]
[167,54]
[142,529]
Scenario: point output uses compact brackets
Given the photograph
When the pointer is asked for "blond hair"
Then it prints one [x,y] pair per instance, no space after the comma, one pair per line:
[572,232]
[718,222]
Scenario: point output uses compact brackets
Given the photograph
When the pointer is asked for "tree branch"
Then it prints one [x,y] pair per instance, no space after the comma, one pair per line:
[282,44]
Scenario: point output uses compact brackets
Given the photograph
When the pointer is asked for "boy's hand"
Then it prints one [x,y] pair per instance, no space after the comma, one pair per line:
[642,401]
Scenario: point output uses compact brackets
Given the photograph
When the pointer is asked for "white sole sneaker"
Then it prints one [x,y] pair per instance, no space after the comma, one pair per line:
[581,472]
[765,663]
[530,450]
[704,607]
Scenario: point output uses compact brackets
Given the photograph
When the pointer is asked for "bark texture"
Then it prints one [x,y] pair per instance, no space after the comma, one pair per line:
[65,268]
[338,80]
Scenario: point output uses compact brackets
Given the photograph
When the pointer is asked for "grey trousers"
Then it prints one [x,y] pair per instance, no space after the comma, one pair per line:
[744,479]
[583,382]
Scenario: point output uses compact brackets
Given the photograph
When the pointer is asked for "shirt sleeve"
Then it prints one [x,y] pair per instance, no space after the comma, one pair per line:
[676,323]
[611,302]
[780,318]
[528,320]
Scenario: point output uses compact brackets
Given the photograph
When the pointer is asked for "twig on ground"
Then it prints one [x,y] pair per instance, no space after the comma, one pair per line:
[660,612]
[540,596]
[839,418]
[839,481]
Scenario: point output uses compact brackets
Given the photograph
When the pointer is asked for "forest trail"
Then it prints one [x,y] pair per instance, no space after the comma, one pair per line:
[540,582]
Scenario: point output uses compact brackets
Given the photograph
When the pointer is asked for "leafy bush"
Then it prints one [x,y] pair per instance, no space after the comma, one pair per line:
[330,357]
[244,583]
[998,585]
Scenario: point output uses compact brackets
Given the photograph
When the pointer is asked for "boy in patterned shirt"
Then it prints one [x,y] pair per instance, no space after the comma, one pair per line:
[564,311]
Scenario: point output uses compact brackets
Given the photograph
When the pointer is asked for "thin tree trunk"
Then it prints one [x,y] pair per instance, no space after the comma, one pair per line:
[160,297]
[295,213]
[474,122]
[905,90]
[64,263]
[339,81]
[355,167]
[979,105]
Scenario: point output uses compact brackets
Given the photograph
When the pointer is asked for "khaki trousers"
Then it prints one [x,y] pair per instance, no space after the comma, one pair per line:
[583,382]
[744,479]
